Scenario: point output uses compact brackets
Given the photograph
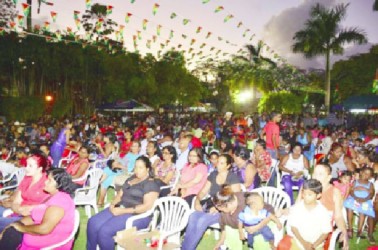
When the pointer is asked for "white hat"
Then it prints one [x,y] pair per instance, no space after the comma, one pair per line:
[17,123]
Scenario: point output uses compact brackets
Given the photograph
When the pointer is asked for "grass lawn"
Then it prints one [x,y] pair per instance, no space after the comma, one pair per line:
[207,242]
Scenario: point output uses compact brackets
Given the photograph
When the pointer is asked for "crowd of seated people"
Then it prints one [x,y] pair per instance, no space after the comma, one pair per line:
[213,162]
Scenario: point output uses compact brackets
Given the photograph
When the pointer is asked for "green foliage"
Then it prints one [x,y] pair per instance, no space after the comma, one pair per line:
[22,109]
[355,76]
[283,101]
[80,78]
[61,108]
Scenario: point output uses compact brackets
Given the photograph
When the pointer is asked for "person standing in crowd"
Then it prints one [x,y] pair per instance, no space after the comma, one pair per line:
[272,134]
[59,145]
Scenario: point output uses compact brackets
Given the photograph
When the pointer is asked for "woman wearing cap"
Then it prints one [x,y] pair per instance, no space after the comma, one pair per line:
[244,169]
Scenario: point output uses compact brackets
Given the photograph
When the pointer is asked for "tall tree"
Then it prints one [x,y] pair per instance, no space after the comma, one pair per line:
[96,22]
[256,61]
[323,35]
[7,12]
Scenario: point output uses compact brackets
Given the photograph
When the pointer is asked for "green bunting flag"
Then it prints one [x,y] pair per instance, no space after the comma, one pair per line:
[99,23]
[173,15]
[212,48]
[88,4]
[184,36]
[53,16]
[15,2]
[127,18]
[155,8]
[132,1]
[26,9]
[47,26]
[227,18]
[77,22]
[145,21]
[58,35]
[2,31]
[167,42]
[154,38]
[190,50]
[202,45]
[162,45]
[185,21]
[139,35]
[250,39]
[20,19]
[218,9]
[135,42]
[179,46]
[240,24]
[205,1]
[12,25]
[69,31]
[109,9]
[76,14]
[208,35]
[148,44]
[171,34]
[199,29]
[158,28]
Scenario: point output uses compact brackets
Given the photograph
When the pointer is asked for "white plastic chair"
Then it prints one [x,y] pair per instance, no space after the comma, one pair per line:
[273,169]
[72,235]
[19,173]
[7,168]
[8,156]
[170,217]
[87,195]
[66,160]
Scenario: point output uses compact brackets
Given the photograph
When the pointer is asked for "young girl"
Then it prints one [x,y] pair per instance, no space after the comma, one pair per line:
[360,200]
[343,184]
[254,215]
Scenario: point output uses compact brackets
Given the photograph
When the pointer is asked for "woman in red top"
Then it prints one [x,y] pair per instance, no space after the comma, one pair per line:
[30,191]
[79,165]
[126,144]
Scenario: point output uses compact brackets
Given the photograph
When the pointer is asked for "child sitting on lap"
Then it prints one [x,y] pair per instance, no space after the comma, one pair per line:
[255,218]
[309,220]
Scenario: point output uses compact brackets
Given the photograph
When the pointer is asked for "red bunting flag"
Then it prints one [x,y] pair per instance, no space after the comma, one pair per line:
[53,16]
[77,22]
[158,28]
[155,8]
[208,35]
[109,9]
[26,9]
[88,4]
[47,26]
[20,19]
[76,14]
[145,21]
[199,29]
[192,42]
[127,18]
[154,38]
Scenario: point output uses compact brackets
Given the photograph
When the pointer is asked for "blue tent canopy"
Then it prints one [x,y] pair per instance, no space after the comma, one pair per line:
[126,106]
[361,102]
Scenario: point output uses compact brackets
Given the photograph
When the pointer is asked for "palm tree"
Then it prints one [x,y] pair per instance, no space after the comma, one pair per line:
[255,60]
[323,35]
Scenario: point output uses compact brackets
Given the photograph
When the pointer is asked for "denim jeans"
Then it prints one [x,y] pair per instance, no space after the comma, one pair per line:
[288,184]
[266,233]
[4,222]
[103,227]
[273,153]
[197,225]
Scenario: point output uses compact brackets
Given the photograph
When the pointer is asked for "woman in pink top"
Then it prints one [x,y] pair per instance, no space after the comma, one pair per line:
[30,191]
[79,165]
[193,176]
[48,223]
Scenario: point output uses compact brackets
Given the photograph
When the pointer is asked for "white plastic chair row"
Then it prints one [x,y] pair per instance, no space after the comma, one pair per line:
[170,217]
[87,195]
[19,174]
